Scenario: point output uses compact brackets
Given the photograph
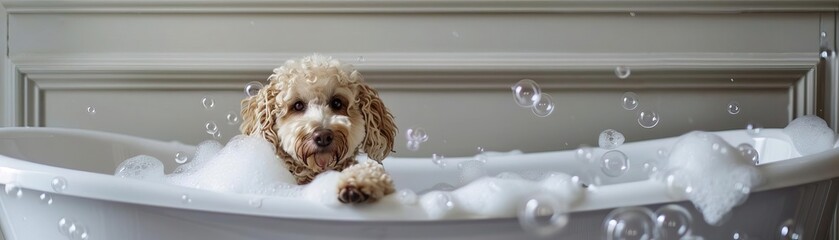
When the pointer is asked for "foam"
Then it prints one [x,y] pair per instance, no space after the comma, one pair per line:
[712,174]
[141,167]
[496,197]
[246,165]
[810,134]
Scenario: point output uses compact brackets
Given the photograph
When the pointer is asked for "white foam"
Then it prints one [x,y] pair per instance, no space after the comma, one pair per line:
[245,165]
[141,167]
[323,188]
[716,176]
[496,197]
[810,134]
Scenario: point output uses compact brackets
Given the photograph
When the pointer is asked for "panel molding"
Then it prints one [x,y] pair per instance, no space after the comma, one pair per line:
[38,74]
[415,6]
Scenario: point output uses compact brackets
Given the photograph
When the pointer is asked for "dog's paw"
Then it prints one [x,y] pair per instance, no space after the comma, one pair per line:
[351,194]
[364,182]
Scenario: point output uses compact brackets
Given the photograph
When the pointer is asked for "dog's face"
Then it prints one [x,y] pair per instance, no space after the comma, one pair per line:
[319,113]
[322,123]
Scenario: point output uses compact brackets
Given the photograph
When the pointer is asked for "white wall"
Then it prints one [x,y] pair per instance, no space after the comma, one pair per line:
[446,67]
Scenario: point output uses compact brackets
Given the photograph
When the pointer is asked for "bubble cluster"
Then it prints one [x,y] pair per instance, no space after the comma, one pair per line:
[614,163]
[673,222]
[232,118]
[91,110]
[59,184]
[415,137]
[208,103]
[252,88]
[733,107]
[629,101]
[629,223]
[72,229]
[528,94]
[542,215]
[647,118]
[749,152]
[438,160]
[622,72]
[13,190]
[610,139]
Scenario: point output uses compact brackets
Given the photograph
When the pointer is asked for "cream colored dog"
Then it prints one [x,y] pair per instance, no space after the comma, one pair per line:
[318,114]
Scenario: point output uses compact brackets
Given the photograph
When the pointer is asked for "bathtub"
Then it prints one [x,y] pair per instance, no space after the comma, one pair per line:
[74,168]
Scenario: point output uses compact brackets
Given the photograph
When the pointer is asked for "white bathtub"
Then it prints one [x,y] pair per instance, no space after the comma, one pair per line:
[799,188]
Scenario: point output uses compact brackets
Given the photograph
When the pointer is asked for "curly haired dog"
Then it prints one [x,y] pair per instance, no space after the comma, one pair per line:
[318,114]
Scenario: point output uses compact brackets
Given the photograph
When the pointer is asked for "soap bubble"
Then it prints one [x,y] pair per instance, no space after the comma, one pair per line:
[417,134]
[13,190]
[610,139]
[542,215]
[59,184]
[438,160]
[677,184]
[91,110]
[443,200]
[753,129]
[629,223]
[361,59]
[208,103]
[255,202]
[622,72]
[442,187]
[672,222]
[252,88]
[650,168]
[662,153]
[481,156]
[211,127]
[825,54]
[412,145]
[232,118]
[749,152]
[647,118]
[629,101]
[789,230]
[181,157]
[406,197]
[64,226]
[733,107]
[585,154]
[46,198]
[185,199]
[545,106]
[614,163]
[738,235]
[217,135]
[526,93]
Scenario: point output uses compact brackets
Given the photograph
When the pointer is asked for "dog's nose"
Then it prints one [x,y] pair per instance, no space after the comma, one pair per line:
[322,137]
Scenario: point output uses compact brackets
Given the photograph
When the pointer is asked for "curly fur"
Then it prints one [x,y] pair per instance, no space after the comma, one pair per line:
[364,124]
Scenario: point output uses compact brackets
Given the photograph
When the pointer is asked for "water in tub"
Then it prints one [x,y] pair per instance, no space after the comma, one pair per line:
[700,166]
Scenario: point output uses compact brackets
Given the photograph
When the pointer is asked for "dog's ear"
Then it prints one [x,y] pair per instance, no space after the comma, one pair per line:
[378,124]
[258,114]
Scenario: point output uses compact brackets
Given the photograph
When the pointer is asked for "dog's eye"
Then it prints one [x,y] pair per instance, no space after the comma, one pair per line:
[299,106]
[336,104]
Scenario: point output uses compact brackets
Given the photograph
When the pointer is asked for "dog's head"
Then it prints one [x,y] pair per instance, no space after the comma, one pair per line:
[318,113]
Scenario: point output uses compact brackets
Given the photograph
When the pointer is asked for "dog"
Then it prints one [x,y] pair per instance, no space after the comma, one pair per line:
[319,114]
